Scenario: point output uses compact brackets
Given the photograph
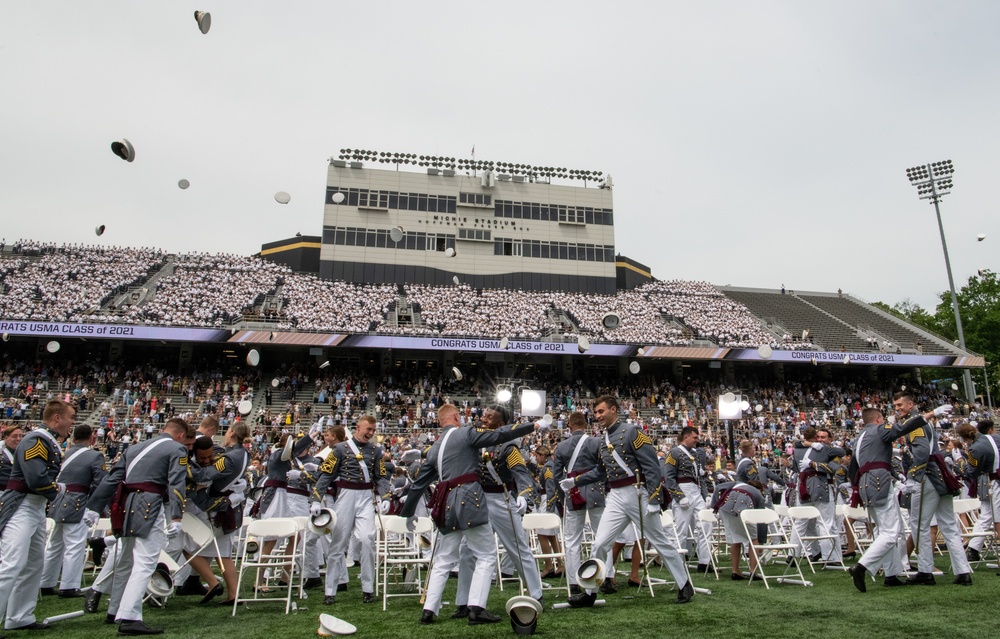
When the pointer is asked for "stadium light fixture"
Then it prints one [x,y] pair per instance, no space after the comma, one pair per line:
[504,393]
[532,403]
[933,181]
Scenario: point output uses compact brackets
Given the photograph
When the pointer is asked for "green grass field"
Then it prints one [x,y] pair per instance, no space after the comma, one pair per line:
[735,609]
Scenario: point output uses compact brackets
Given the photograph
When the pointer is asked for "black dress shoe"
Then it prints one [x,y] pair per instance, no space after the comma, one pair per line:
[892,581]
[964,579]
[462,612]
[972,554]
[703,568]
[312,582]
[133,628]
[634,584]
[71,593]
[575,589]
[367,597]
[609,587]
[426,617]
[921,579]
[34,625]
[815,558]
[192,586]
[582,600]
[216,590]
[849,555]
[738,576]
[48,592]
[341,587]
[859,573]
[109,618]
[91,601]
[479,616]
[685,593]
[226,602]
[329,600]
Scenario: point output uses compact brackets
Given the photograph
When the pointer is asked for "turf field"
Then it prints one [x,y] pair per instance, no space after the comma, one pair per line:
[735,609]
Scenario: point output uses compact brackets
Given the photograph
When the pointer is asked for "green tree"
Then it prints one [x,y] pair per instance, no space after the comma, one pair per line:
[979,304]
[912,313]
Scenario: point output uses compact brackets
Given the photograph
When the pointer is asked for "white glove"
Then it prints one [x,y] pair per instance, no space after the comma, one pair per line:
[411,523]
[61,488]
[90,517]
[652,509]
[804,465]
[293,475]
[310,467]
[684,503]
[398,491]
[910,487]
[236,499]
[567,484]
[173,529]
[816,446]
[239,487]
[943,410]
[314,508]
[956,454]
[522,505]
[383,506]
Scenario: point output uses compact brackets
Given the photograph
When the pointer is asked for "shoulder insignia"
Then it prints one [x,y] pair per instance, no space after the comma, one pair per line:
[328,463]
[888,426]
[514,458]
[973,461]
[917,433]
[548,473]
[641,439]
[183,461]
[670,460]
[480,430]
[38,450]
[104,466]
[221,465]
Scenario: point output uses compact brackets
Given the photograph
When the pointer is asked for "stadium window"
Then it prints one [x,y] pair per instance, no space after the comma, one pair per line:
[589,213]
[371,238]
[441,243]
[590,253]
[421,202]
[571,252]
[544,250]
[381,236]
[339,236]
[535,211]
[411,241]
[383,199]
[351,237]
[452,205]
[497,247]
[352,197]
[563,251]
[609,254]
[411,202]
[393,200]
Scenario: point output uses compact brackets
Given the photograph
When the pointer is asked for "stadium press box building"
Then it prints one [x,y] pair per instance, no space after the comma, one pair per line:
[487,229]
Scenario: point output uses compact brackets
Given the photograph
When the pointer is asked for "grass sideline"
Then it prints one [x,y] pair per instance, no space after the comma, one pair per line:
[734,609]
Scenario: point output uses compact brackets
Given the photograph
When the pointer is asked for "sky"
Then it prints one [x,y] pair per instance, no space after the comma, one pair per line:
[750,143]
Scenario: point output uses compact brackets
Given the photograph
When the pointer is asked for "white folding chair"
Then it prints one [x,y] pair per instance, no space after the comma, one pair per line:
[532,523]
[707,518]
[971,508]
[100,529]
[406,556]
[811,513]
[750,518]
[201,534]
[284,529]
[857,525]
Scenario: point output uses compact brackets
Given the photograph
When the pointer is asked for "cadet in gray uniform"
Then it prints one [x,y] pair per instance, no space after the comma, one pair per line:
[502,470]
[460,510]
[629,465]
[728,501]
[32,484]
[930,497]
[82,470]
[358,468]
[817,466]
[872,475]
[984,460]
[681,477]
[574,456]
[151,475]
[12,434]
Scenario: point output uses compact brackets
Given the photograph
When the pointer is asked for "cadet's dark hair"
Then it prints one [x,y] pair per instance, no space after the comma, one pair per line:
[55,407]
[203,443]
[607,400]
[82,433]
[904,394]
[687,430]
[868,415]
[985,426]
[502,411]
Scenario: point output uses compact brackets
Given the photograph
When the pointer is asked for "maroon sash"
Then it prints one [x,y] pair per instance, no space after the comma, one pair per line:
[951,483]
[803,489]
[439,507]
[856,480]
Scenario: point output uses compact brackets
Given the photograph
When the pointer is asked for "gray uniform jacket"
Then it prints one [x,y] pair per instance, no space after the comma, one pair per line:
[748,473]
[82,475]
[510,467]
[343,465]
[589,458]
[277,470]
[875,485]
[547,481]
[825,467]
[6,463]
[735,501]
[466,505]
[981,461]
[164,466]
[924,443]
[35,467]
[680,466]
[635,449]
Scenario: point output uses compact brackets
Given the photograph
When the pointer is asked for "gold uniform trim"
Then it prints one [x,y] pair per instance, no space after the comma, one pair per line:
[917,433]
[514,458]
[38,450]
[641,439]
[221,465]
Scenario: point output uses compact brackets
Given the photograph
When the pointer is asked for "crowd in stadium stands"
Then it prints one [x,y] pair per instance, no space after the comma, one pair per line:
[69,283]
[313,304]
[78,283]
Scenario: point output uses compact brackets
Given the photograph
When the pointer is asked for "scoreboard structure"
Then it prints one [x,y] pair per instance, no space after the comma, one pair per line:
[485,224]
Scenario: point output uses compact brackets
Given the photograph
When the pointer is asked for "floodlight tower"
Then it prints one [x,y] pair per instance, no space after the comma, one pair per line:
[933,181]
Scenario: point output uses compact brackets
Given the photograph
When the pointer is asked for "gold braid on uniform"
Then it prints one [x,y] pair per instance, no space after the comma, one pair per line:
[38,450]
[329,463]
[220,465]
[514,458]
[641,439]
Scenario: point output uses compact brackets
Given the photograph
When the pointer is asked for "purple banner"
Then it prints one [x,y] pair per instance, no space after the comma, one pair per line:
[112,331]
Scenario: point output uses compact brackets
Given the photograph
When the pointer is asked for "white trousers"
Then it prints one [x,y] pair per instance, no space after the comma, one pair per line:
[621,509]
[574,523]
[67,551]
[137,559]
[481,544]
[355,514]
[927,504]
[22,550]
[514,540]
[988,510]
[887,550]
[686,521]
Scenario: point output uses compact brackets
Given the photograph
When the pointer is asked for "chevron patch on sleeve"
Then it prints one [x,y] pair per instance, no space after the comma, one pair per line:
[38,450]
[221,465]
[514,458]
[641,439]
